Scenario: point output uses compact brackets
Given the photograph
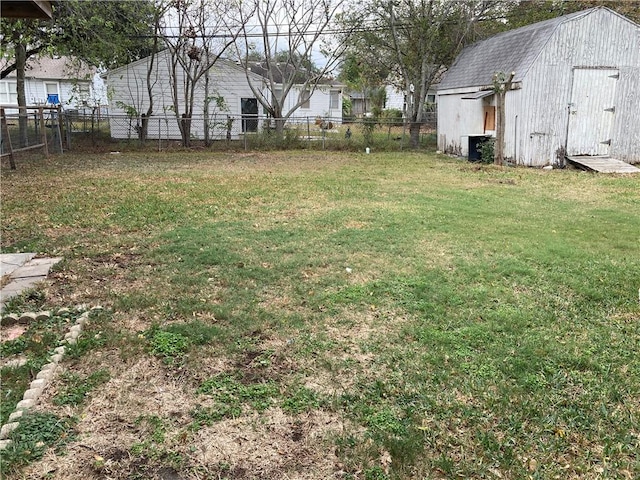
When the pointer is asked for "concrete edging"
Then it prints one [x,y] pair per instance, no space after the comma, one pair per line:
[48,371]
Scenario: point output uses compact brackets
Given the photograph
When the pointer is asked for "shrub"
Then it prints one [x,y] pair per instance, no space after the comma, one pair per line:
[487,151]
[392,117]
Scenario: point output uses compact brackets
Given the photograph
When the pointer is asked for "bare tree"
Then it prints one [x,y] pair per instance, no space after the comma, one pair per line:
[197,33]
[288,35]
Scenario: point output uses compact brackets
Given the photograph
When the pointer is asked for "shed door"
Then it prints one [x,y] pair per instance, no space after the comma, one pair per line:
[591,111]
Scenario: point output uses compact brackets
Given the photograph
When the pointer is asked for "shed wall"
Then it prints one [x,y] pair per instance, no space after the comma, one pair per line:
[459,118]
[537,112]
[600,40]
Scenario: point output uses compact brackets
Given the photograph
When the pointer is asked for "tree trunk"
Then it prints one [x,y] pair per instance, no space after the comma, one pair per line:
[21,63]
[205,111]
[500,126]
[501,94]
[414,134]
[144,128]
[280,127]
[186,130]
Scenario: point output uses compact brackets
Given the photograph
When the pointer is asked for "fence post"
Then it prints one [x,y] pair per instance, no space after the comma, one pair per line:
[159,135]
[5,133]
[59,124]
[43,131]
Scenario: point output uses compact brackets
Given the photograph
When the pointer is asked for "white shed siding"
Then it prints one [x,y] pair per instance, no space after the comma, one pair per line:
[542,110]
[459,118]
[537,111]
[625,132]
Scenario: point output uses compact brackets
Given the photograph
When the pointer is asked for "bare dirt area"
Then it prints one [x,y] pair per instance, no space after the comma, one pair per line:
[119,434]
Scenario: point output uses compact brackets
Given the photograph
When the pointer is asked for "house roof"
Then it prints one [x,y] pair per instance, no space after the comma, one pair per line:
[221,62]
[282,71]
[511,51]
[59,68]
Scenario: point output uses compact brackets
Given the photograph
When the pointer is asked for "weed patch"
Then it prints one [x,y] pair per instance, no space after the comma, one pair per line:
[37,433]
[35,346]
[75,388]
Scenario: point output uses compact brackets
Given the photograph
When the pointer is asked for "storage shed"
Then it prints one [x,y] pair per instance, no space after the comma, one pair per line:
[575,91]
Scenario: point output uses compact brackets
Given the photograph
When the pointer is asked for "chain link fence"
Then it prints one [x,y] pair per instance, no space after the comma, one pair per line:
[77,129]
[255,131]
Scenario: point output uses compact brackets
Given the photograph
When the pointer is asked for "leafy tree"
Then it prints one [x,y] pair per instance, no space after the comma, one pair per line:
[416,40]
[100,32]
[361,71]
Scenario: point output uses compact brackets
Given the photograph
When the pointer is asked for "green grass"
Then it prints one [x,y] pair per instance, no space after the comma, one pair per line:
[35,345]
[75,388]
[461,320]
[36,433]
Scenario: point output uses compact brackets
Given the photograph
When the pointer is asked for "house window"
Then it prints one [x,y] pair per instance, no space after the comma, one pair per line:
[51,90]
[8,93]
[305,95]
[431,99]
[334,99]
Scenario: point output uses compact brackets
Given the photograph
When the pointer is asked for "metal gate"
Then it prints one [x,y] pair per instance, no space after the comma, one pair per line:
[591,111]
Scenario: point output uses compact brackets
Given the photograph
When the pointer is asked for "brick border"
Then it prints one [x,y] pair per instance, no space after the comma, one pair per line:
[47,373]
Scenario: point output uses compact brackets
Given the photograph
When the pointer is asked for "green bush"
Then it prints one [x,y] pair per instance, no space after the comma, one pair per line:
[487,151]
[392,117]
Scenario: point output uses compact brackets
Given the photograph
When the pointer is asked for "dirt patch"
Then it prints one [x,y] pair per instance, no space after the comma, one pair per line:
[273,445]
[11,332]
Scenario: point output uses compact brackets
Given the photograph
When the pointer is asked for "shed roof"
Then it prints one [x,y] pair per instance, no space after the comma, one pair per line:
[511,51]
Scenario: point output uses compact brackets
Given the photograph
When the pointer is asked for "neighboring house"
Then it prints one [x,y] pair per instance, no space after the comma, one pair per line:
[576,90]
[129,99]
[229,88]
[360,104]
[324,101]
[45,78]
[397,99]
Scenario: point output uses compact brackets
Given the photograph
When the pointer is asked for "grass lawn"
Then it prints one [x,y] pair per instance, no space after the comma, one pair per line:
[319,315]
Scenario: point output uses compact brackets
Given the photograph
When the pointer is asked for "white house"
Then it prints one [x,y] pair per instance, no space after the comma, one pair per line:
[324,101]
[234,101]
[397,99]
[72,83]
[575,90]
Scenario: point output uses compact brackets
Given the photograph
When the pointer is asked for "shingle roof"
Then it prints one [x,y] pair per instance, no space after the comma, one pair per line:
[59,68]
[282,72]
[511,51]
